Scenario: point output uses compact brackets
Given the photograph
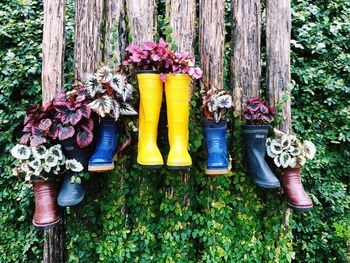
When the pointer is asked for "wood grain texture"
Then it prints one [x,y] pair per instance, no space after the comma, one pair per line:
[52,84]
[142,15]
[88,36]
[115,31]
[212,40]
[53,47]
[182,15]
[278,31]
[245,61]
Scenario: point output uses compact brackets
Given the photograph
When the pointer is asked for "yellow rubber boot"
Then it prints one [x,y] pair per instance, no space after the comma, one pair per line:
[177,91]
[151,93]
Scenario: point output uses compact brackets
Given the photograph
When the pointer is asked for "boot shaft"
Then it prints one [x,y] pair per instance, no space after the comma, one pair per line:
[215,136]
[255,137]
[108,134]
[72,150]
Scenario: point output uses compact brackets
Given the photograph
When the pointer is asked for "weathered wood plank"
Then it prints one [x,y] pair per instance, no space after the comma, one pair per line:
[52,84]
[88,36]
[53,47]
[142,15]
[245,61]
[212,39]
[278,31]
[182,15]
[115,28]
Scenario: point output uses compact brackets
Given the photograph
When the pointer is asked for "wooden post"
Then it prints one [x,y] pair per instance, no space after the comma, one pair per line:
[142,20]
[245,61]
[115,28]
[52,84]
[88,36]
[278,31]
[212,40]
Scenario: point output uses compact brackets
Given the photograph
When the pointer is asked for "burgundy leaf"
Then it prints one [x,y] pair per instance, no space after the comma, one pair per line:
[25,138]
[254,106]
[268,118]
[28,128]
[264,109]
[37,132]
[80,98]
[37,140]
[75,117]
[86,111]
[84,138]
[61,106]
[26,119]
[65,132]
[53,131]
[88,126]
[45,124]
[124,146]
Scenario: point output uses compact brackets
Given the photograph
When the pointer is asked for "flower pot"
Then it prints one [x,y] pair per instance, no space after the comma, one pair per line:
[151,94]
[46,213]
[177,91]
[297,198]
[254,138]
[216,147]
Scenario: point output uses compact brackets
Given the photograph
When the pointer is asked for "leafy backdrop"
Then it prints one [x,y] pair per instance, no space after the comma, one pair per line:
[133,215]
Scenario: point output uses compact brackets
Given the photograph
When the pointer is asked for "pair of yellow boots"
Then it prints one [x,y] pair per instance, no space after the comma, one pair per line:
[177,91]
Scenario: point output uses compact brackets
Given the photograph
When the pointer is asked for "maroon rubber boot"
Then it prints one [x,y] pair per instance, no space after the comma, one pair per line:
[46,213]
[297,198]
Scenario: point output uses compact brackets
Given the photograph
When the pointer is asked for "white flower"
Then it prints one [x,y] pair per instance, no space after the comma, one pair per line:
[104,74]
[278,133]
[294,151]
[269,152]
[25,167]
[285,142]
[276,147]
[93,85]
[309,149]
[268,142]
[277,162]
[51,161]
[293,162]
[38,171]
[102,106]
[74,165]
[56,151]
[39,152]
[301,160]
[47,168]
[225,101]
[21,152]
[35,164]
[117,82]
[285,159]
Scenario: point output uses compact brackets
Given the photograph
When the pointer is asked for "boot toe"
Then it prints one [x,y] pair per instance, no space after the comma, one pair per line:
[179,158]
[149,157]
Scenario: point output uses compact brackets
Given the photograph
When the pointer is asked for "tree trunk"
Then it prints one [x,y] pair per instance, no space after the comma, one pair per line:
[142,20]
[115,28]
[245,61]
[212,40]
[52,84]
[278,31]
[88,36]
[182,15]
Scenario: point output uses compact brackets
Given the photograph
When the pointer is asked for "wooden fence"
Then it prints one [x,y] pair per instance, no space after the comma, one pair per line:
[97,21]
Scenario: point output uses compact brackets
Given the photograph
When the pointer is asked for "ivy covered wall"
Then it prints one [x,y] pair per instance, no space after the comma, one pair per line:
[136,215]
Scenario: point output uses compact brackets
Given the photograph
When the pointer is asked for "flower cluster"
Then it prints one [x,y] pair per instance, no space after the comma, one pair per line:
[158,57]
[288,151]
[215,102]
[257,112]
[73,116]
[41,161]
[111,93]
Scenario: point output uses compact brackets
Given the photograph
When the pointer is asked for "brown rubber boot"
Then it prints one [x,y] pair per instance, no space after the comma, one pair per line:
[297,198]
[46,213]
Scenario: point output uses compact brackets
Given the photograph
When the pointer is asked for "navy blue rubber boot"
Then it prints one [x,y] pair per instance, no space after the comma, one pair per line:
[254,137]
[216,145]
[107,146]
[72,193]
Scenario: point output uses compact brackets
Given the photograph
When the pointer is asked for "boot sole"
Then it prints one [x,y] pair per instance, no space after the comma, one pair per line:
[300,209]
[152,166]
[104,167]
[268,186]
[47,226]
[185,167]
[216,171]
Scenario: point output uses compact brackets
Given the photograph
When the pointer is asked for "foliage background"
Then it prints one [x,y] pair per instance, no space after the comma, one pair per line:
[173,217]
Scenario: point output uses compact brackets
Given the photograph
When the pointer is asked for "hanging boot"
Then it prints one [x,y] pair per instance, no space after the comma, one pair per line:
[106,148]
[215,141]
[254,137]
[297,198]
[177,91]
[151,94]
[72,193]
[46,213]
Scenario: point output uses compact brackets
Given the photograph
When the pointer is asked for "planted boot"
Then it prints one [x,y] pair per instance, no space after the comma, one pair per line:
[151,94]
[177,91]
[297,198]
[72,193]
[216,145]
[46,213]
[106,148]
[254,137]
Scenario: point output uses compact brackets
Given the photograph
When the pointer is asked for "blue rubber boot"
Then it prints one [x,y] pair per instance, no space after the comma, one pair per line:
[106,149]
[72,193]
[254,137]
[216,144]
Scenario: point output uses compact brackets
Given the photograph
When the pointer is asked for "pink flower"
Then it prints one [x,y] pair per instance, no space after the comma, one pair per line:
[195,72]
[163,77]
